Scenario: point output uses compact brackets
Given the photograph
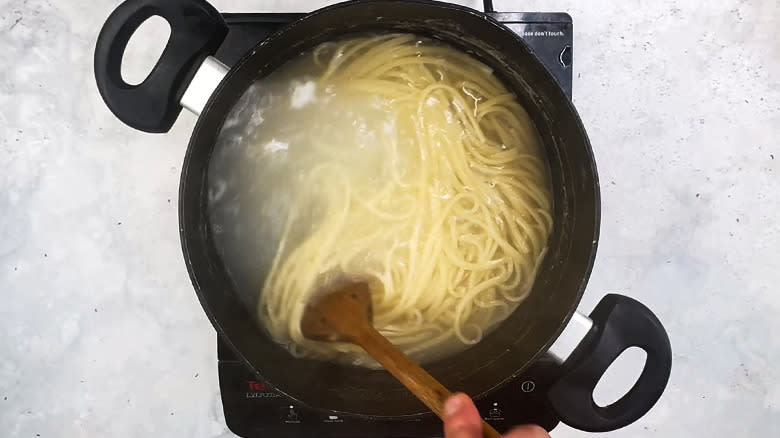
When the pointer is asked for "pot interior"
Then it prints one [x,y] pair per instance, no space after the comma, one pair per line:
[561,279]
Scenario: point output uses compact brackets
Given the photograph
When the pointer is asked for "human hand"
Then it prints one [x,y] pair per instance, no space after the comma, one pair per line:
[462,420]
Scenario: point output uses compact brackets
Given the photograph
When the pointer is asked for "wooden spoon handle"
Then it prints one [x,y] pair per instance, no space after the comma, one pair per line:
[410,374]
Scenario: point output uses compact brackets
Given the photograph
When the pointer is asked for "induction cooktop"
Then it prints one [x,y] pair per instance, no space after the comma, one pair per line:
[255,409]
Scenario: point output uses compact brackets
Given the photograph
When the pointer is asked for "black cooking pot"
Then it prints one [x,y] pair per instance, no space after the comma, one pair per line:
[186,75]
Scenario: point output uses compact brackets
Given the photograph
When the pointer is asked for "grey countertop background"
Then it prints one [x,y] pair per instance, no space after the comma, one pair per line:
[101,333]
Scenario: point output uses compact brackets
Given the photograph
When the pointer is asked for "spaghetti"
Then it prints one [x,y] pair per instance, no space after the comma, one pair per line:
[449,233]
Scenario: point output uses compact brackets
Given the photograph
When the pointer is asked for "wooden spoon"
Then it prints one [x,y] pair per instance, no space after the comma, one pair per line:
[344,314]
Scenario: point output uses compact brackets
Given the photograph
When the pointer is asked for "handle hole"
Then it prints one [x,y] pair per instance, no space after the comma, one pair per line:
[144,49]
[620,377]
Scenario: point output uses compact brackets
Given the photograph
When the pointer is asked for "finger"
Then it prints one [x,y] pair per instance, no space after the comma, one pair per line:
[527,431]
[461,418]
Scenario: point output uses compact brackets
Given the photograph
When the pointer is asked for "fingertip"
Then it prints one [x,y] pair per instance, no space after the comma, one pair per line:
[455,403]
[527,431]
[461,418]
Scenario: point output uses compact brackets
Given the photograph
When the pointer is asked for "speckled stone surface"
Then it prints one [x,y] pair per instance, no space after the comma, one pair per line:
[101,333]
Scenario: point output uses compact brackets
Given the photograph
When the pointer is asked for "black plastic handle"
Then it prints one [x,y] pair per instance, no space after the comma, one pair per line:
[619,322]
[197,30]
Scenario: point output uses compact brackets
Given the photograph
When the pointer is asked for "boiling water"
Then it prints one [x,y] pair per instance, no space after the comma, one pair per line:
[269,143]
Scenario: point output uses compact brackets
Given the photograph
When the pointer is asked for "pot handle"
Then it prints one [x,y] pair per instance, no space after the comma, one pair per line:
[197,30]
[619,322]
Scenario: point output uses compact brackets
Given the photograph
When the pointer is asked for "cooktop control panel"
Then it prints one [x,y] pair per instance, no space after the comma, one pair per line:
[254,408]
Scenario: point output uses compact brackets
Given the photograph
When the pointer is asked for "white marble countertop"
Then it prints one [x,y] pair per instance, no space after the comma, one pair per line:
[102,335]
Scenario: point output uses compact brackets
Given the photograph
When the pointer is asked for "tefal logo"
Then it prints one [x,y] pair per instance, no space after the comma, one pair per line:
[256,386]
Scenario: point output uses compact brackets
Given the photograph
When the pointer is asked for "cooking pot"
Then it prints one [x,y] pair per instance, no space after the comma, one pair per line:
[546,322]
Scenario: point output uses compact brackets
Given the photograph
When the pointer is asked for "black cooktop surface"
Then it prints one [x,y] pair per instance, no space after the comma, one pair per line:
[254,409]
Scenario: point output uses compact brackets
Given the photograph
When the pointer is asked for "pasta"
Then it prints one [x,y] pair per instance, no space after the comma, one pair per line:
[448,221]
